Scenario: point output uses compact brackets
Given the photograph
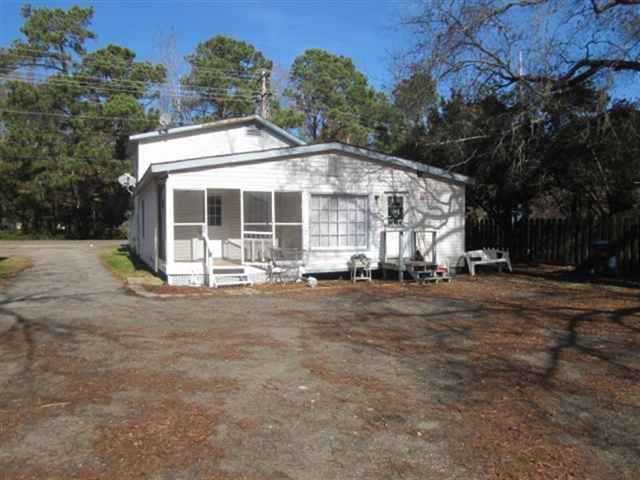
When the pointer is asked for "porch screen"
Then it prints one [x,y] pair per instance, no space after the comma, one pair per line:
[188,206]
[257,211]
[339,221]
[288,225]
[188,223]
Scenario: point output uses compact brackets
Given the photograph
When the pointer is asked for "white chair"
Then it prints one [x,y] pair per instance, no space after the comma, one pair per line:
[487,256]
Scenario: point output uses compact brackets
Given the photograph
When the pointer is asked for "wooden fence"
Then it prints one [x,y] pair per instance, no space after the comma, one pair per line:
[560,241]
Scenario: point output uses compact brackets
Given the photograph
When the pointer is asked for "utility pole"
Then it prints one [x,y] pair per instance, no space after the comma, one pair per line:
[264,94]
[521,75]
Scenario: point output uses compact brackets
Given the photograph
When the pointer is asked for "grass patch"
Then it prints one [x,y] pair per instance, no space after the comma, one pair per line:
[124,264]
[10,266]
[17,235]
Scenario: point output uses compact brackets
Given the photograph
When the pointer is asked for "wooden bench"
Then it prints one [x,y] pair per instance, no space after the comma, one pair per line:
[487,256]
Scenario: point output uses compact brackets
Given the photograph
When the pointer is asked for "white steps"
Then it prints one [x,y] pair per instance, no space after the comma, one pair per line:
[230,279]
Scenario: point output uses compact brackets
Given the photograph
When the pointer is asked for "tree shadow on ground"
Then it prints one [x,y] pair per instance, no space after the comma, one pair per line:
[134,258]
[576,275]
[564,361]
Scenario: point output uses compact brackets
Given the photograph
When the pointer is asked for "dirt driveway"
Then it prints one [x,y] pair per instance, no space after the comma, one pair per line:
[504,377]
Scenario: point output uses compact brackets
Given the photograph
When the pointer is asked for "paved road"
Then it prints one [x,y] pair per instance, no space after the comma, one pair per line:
[60,268]
[68,284]
[65,284]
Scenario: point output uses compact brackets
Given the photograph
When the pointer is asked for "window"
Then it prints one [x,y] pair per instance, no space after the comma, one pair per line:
[338,221]
[395,210]
[214,210]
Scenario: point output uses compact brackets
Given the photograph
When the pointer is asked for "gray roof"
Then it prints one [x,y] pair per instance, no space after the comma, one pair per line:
[221,124]
[305,151]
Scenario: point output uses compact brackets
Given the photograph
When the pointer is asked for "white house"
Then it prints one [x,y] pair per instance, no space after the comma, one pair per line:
[221,198]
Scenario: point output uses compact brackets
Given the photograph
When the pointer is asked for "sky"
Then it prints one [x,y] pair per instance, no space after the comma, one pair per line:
[368,31]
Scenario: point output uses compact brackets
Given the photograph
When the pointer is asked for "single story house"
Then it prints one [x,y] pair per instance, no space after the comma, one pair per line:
[217,199]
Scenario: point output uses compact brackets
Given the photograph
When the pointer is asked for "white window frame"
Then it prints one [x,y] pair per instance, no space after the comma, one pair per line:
[367,221]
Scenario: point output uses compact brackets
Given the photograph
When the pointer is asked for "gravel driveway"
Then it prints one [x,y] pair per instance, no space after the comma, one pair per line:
[502,378]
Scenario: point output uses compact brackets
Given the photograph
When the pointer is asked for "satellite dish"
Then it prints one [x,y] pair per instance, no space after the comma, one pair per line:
[127,181]
[165,120]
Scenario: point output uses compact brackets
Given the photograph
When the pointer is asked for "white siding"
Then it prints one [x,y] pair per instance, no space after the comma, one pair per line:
[430,203]
[202,144]
[147,235]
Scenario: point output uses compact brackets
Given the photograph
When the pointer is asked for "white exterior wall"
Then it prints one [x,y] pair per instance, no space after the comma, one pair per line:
[147,237]
[203,144]
[429,203]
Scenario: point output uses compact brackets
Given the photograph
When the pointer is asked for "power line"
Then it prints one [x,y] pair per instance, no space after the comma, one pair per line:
[232,74]
[213,94]
[64,115]
[110,82]
[184,93]
[163,85]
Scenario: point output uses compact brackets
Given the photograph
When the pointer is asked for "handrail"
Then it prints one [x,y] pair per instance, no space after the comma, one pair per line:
[208,258]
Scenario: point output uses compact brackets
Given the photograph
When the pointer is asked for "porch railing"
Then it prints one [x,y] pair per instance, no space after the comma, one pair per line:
[400,244]
[257,246]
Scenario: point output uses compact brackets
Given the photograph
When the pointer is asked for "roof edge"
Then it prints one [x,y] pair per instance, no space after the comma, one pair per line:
[257,119]
[306,150]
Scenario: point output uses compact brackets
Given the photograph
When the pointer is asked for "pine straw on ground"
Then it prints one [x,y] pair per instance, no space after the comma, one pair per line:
[324,287]
[167,434]
[380,404]
[530,356]
[510,406]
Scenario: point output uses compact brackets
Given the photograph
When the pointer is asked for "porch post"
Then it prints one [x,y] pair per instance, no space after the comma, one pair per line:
[273,221]
[169,248]
[241,226]
[305,218]
[401,257]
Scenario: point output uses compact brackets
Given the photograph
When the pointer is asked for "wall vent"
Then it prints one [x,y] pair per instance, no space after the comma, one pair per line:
[254,132]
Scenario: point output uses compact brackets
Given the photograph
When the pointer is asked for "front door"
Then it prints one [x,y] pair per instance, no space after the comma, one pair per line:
[214,222]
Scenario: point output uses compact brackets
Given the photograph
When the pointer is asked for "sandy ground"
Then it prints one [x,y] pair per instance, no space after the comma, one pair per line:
[509,376]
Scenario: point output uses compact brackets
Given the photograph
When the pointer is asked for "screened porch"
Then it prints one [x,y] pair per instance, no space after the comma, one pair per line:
[239,227]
